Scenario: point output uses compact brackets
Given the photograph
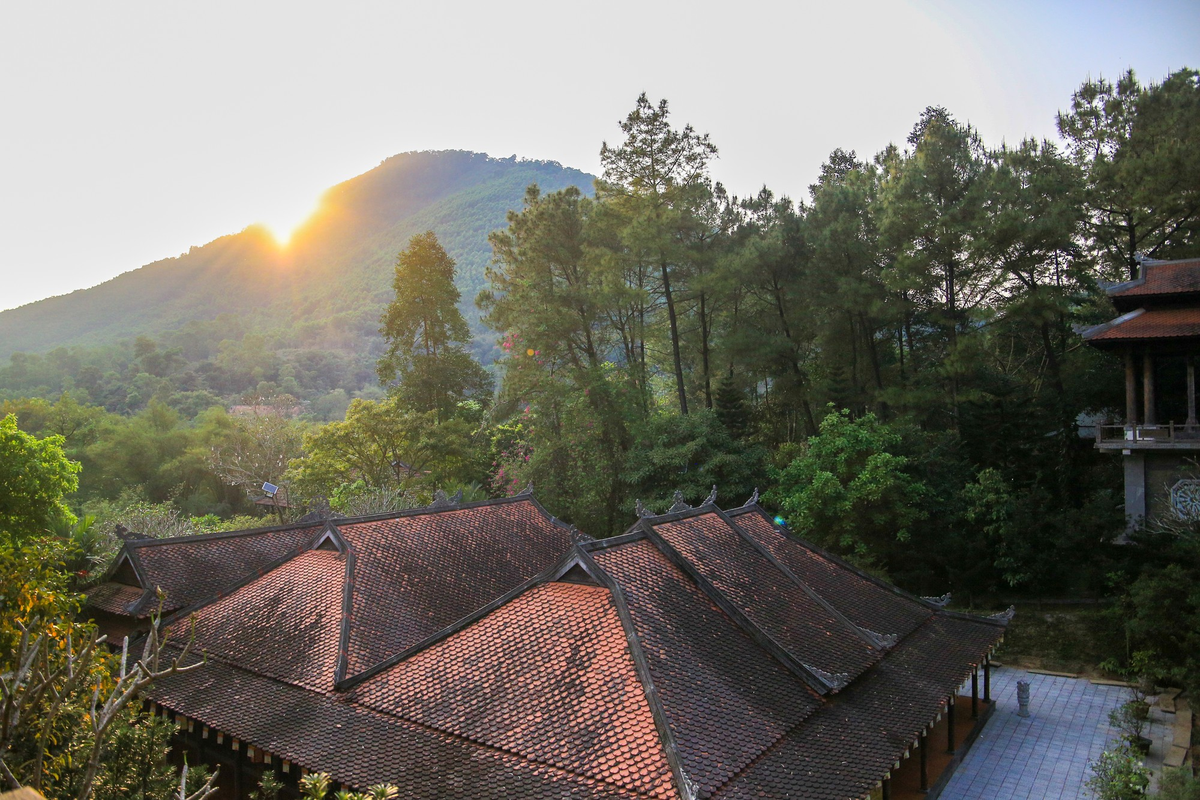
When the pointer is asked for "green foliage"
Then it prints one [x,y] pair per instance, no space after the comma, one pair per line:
[848,490]
[35,476]
[1179,784]
[1159,609]
[690,454]
[1119,774]
[384,444]
[426,334]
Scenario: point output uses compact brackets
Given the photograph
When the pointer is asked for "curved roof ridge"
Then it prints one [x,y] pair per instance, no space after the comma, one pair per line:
[871,639]
[740,618]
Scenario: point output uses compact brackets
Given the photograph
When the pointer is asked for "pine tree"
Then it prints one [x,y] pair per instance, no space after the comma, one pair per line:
[426,334]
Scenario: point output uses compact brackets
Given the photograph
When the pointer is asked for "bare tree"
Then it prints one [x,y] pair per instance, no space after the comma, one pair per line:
[47,676]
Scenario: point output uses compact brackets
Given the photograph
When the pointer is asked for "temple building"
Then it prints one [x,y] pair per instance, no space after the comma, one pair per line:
[1158,336]
[487,650]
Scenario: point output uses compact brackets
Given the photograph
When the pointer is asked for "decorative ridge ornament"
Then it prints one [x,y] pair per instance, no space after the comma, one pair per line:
[834,680]
[679,504]
[1005,615]
[753,498]
[940,602]
[440,500]
[711,500]
[885,640]
[527,491]
[642,511]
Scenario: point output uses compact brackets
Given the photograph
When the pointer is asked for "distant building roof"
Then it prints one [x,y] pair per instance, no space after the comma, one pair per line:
[1163,280]
[488,650]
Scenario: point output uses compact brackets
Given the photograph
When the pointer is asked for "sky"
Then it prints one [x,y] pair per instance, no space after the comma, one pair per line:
[131,131]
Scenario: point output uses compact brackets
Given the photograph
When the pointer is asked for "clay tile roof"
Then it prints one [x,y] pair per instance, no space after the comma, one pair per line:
[360,747]
[1162,278]
[115,598]
[284,625]
[727,700]
[417,574]
[1154,323]
[813,633]
[660,664]
[193,568]
[868,603]
[846,747]
[548,676]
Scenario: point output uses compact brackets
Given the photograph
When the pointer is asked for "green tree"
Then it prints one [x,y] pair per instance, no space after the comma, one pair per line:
[384,444]
[849,490]
[1140,148]
[657,182]
[426,334]
[35,476]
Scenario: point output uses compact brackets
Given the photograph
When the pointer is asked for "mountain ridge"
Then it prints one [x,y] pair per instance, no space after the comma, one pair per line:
[338,262]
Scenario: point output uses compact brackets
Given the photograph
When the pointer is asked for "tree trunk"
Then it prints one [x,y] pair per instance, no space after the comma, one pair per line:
[704,333]
[666,279]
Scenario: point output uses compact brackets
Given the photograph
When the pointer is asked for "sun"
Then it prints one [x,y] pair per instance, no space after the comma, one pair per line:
[284,221]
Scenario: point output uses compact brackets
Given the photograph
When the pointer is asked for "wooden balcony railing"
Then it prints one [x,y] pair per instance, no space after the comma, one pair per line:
[1167,434]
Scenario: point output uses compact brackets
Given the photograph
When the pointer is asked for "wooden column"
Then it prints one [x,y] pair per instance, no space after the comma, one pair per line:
[987,679]
[887,789]
[1131,415]
[950,725]
[924,762]
[975,693]
[1148,387]
[1191,391]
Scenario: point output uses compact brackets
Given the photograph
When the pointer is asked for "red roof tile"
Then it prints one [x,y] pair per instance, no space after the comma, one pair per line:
[548,676]
[490,683]
[1162,278]
[115,598]
[417,574]
[878,608]
[812,632]
[846,747]
[292,616]
[359,747]
[727,700]
[193,568]
[1155,323]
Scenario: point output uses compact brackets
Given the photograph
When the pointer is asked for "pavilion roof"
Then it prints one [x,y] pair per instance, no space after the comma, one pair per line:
[487,650]
[1143,325]
[1158,281]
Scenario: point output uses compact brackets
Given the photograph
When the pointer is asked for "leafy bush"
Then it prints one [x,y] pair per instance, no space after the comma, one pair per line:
[1119,774]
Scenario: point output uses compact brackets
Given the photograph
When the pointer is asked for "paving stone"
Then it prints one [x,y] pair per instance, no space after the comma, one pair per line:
[1044,755]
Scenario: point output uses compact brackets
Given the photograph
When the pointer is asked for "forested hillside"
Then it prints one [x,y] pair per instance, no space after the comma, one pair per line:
[325,290]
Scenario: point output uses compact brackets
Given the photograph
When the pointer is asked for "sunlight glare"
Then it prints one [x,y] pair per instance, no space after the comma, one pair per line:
[286,220]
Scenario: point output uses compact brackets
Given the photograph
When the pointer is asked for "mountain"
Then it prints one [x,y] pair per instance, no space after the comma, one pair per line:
[326,289]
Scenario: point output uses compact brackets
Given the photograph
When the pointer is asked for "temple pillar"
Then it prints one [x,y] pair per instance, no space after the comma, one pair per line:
[950,725]
[887,789]
[975,693]
[987,679]
[924,761]
[1131,415]
[1148,387]
[1191,391]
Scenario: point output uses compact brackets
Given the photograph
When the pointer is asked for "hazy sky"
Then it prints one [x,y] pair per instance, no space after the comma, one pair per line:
[131,131]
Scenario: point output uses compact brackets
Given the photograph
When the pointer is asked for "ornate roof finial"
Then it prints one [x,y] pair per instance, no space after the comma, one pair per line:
[1005,616]
[679,504]
[528,490]
[440,500]
[711,500]
[753,498]
[941,602]
[641,510]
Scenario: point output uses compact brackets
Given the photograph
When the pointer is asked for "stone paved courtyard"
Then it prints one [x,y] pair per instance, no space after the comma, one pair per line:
[1044,755]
